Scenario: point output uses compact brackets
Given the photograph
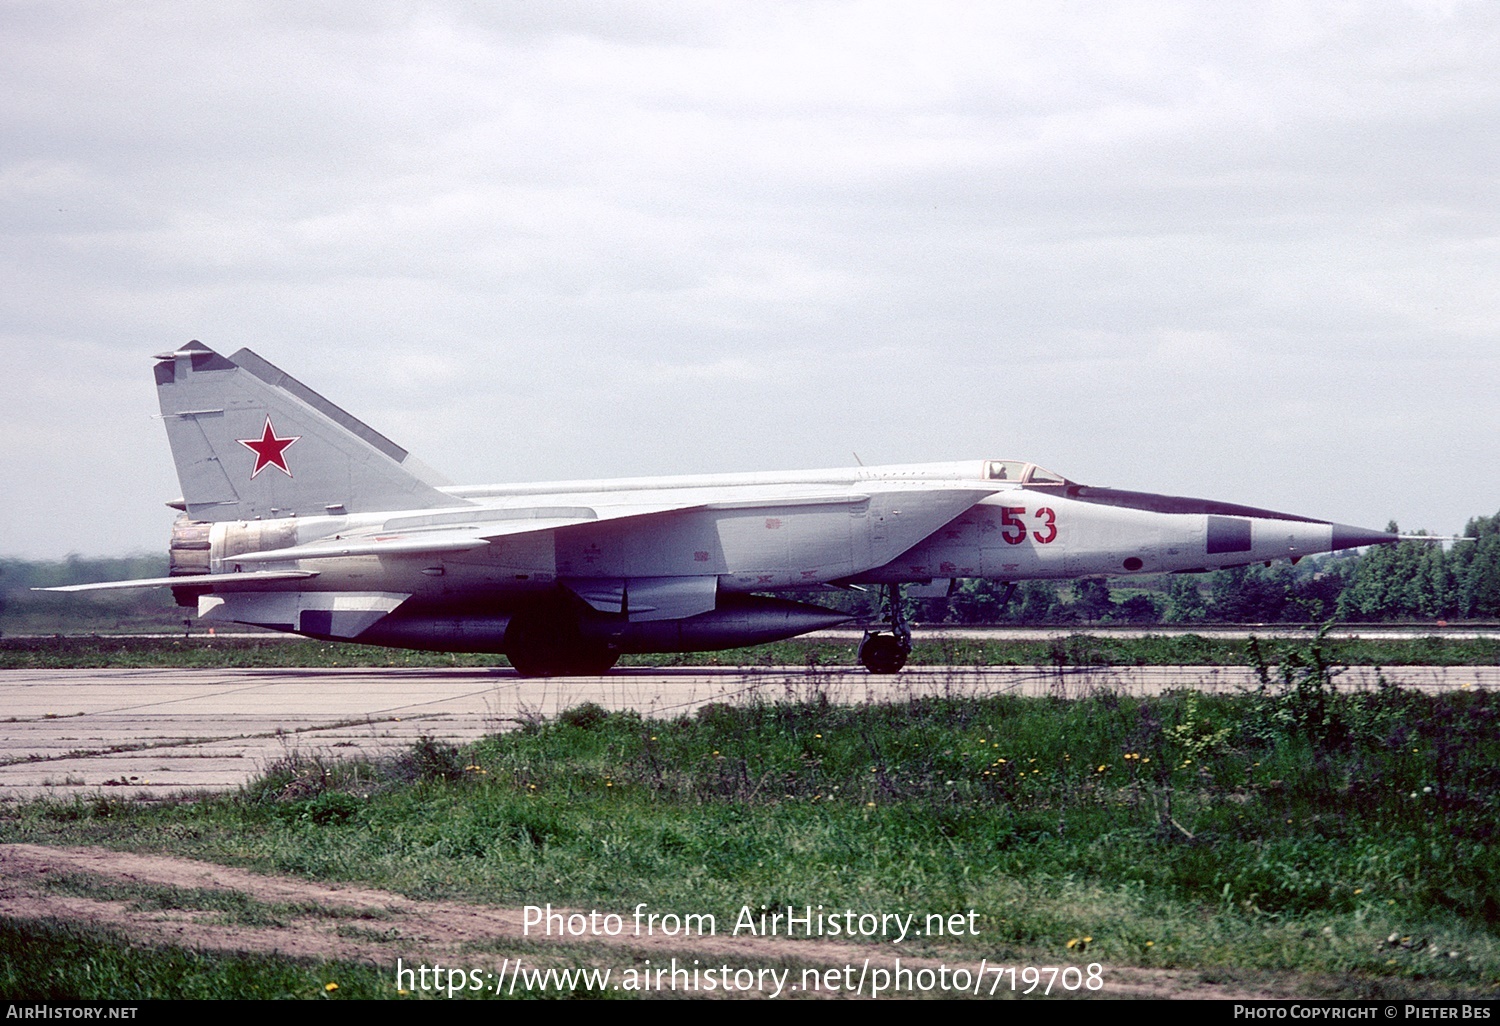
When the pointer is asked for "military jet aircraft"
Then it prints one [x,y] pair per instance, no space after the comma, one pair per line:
[297,516]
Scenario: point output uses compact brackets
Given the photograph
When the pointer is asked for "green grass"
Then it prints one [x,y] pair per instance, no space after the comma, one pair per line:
[1303,829]
[1074,650]
[48,961]
[42,961]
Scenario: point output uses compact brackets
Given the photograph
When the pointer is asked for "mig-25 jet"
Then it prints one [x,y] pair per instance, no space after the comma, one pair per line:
[298,517]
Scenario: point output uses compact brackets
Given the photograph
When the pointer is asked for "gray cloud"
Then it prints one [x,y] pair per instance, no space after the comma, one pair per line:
[1243,250]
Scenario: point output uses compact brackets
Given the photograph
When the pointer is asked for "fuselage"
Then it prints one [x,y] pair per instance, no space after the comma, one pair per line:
[768,531]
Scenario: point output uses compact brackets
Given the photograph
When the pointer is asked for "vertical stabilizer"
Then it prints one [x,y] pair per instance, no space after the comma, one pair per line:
[253,442]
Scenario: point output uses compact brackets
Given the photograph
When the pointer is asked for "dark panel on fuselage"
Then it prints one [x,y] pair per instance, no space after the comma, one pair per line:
[1228,534]
[317,621]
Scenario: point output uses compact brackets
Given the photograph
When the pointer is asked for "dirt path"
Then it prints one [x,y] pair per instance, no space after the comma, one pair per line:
[321,921]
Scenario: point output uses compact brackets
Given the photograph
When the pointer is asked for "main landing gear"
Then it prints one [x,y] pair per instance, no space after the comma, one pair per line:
[547,640]
[886,652]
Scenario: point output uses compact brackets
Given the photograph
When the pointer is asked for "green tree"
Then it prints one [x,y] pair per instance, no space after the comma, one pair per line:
[1184,603]
[1091,599]
[1254,594]
[1139,608]
[1476,569]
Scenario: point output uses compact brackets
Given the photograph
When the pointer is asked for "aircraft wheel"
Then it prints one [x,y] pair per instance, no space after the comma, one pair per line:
[883,653]
[540,645]
[574,664]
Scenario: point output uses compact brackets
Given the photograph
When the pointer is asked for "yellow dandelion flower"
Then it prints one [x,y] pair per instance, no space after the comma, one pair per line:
[330,987]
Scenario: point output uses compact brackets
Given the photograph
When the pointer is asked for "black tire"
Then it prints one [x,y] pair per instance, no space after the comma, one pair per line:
[548,643]
[571,664]
[883,653]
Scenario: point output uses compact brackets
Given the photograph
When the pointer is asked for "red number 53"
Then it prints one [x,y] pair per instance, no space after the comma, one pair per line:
[1013,528]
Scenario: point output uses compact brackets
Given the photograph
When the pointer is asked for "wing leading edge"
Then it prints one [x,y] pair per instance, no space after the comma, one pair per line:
[227,581]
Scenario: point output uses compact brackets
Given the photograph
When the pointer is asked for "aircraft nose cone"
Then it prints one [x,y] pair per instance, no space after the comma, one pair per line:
[1346,537]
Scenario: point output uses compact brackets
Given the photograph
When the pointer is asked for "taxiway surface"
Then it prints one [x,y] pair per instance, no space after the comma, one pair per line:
[150,732]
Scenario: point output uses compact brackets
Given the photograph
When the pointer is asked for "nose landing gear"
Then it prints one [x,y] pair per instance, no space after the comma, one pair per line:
[886,651]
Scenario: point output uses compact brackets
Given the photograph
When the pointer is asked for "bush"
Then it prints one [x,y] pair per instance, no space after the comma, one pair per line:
[431,759]
[585,717]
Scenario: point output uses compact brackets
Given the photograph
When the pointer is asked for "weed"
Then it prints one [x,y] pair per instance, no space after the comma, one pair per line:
[585,717]
[431,759]
[1297,695]
[330,808]
[1195,738]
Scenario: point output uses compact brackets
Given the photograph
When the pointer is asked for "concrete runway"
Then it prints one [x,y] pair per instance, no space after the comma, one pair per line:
[158,732]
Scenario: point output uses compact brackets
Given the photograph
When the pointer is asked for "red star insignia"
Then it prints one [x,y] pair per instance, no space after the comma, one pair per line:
[269,450]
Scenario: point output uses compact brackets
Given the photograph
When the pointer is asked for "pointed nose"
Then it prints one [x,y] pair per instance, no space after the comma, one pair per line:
[1346,537]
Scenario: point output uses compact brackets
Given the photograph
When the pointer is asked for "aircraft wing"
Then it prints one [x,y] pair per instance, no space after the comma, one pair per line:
[909,514]
[193,580]
[437,533]
[434,542]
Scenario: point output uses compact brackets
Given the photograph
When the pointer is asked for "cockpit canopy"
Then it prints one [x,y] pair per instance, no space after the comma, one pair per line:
[1021,472]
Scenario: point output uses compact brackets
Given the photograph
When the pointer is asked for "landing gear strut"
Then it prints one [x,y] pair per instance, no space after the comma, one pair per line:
[883,652]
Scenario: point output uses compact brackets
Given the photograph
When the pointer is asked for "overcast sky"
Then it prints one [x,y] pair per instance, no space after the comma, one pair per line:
[1245,251]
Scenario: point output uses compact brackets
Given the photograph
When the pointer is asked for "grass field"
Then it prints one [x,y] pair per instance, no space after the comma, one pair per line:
[1074,650]
[1346,838]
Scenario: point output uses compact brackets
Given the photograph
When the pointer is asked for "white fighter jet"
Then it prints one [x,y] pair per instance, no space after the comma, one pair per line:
[299,517]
